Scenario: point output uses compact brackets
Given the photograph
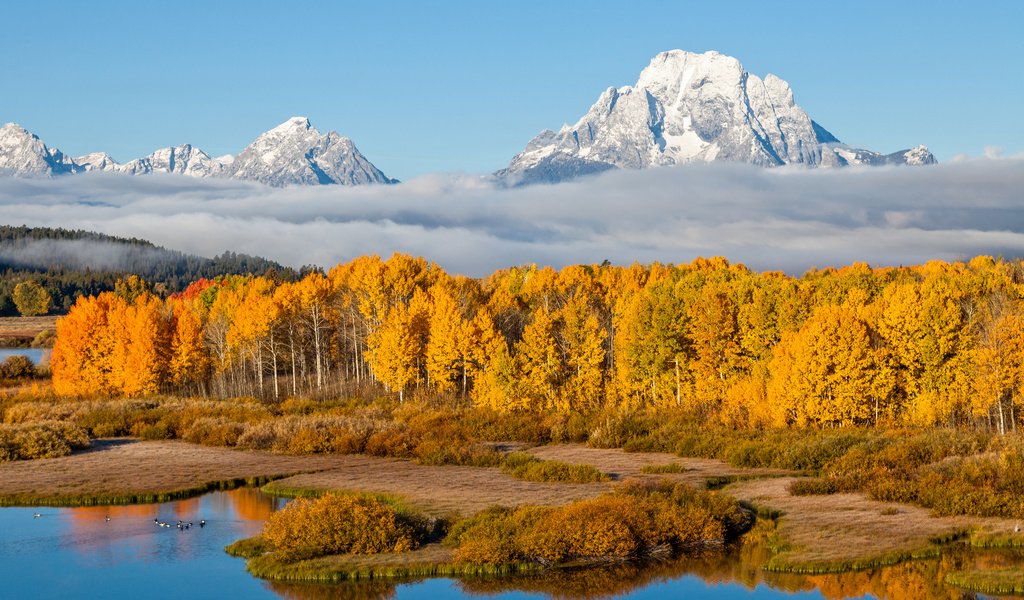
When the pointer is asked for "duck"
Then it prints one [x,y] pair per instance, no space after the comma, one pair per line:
[36,515]
[202,522]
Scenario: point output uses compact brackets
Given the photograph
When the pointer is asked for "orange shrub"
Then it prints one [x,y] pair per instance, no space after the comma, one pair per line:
[339,524]
[637,521]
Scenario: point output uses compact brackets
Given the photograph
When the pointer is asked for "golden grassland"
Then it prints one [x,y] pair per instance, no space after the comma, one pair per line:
[25,329]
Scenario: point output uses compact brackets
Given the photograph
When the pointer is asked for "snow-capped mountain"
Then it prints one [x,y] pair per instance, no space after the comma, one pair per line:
[688,108]
[184,159]
[23,153]
[293,153]
[97,161]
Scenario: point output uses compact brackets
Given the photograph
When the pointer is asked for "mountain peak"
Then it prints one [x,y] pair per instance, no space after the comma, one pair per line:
[23,153]
[294,152]
[293,124]
[688,107]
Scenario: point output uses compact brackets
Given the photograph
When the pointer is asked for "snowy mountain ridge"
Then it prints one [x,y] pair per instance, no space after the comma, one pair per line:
[689,108]
[293,153]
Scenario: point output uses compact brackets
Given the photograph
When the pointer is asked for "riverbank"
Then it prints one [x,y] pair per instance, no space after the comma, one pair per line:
[21,331]
[817,533]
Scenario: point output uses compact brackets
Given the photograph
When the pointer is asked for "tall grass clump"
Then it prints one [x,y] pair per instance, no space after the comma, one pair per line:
[522,465]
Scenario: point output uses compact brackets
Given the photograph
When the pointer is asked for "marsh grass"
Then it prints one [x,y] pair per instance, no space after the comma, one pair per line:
[432,560]
[527,467]
[669,469]
[999,581]
[102,499]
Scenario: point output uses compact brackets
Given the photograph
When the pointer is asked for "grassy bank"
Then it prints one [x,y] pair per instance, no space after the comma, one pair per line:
[1002,581]
[344,537]
[132,498]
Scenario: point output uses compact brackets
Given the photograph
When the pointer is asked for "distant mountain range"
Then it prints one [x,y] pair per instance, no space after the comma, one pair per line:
[293,153]
[692,108]
[685,108]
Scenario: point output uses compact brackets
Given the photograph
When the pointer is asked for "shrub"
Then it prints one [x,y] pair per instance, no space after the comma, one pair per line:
[17,367]
[339,524]
[636,521]
[530,468]
[47,439]
[670,468]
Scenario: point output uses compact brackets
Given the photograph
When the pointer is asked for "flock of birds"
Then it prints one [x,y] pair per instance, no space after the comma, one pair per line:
[181,525]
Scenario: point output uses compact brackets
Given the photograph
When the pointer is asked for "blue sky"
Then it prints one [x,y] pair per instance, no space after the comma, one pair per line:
[462,86]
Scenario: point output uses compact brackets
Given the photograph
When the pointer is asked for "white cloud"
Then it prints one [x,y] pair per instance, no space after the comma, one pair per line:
[789,218]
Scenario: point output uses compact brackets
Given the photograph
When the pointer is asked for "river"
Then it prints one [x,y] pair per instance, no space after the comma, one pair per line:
[79,553]
[34,354]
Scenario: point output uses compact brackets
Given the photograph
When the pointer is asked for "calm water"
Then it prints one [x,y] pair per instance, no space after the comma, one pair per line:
[34,354]
[77,553]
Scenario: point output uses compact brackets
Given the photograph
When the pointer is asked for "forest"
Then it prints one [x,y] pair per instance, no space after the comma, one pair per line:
[71,263]
[939,344]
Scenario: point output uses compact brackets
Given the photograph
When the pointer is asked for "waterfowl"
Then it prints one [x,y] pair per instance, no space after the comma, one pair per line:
[36,515]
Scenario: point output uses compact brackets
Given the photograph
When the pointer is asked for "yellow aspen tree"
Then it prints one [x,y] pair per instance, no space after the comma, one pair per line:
[80,362]
[419,330]
[189,362]
[393,350]
[717,357]
[315,300]
[489,363]
[999,368]
[539,361]
[146,347]
[828,366]
[251,331]
[445,349]
[582,341]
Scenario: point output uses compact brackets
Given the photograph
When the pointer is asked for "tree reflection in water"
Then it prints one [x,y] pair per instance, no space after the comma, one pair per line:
[739,565]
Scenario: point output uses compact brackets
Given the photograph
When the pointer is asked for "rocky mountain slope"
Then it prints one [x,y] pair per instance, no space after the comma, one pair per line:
[688,108]
[293,153]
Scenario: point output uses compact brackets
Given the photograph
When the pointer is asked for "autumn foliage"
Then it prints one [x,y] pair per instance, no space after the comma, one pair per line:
[936,344]
[339,524]
[634,522]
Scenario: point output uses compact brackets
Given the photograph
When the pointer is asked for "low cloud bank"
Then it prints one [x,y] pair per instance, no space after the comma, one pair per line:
[770,219]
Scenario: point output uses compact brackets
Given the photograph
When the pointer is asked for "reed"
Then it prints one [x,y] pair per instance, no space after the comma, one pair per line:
[430,561]
[530,468]
[669,469]
[136,498]
[1001,581]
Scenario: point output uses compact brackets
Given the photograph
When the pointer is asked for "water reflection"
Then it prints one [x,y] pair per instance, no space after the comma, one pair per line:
[118,552]
[36,355]
[733,574]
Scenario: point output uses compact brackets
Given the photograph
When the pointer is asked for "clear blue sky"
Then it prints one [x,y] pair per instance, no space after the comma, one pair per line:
[462,86]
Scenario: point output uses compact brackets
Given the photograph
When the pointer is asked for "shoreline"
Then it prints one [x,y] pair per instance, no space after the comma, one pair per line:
[813,534]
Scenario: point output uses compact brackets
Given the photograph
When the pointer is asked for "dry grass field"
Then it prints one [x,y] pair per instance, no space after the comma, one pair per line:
[25,328]
[817,529]
[843,528]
